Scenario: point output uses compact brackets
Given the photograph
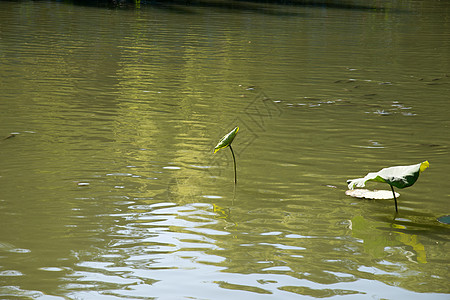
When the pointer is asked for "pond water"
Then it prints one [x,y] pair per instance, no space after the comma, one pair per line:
[108,117]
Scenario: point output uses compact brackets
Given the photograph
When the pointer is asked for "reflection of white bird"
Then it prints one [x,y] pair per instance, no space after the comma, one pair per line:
[400,177]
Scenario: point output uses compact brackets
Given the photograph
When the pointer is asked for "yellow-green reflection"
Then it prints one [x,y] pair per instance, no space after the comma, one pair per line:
[376,241]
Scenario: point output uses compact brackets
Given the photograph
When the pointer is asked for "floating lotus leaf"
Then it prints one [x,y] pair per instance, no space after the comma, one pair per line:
[226,140]
[367,194]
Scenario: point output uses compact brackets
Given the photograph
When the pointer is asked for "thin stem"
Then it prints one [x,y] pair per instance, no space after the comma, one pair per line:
[393,193]
[234,160]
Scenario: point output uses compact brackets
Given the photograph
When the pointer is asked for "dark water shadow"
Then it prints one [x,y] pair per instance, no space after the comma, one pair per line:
[268,7]
[186,7]
[345,5]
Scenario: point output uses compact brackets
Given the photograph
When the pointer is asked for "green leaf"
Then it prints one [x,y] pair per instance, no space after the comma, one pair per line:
[226,140]
[400,176]
[444,219]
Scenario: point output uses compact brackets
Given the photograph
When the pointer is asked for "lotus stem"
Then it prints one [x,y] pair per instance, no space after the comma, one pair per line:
[234,160]
[395,199]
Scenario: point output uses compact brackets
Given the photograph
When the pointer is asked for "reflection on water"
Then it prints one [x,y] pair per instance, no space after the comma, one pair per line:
[109,188]
[377,244]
